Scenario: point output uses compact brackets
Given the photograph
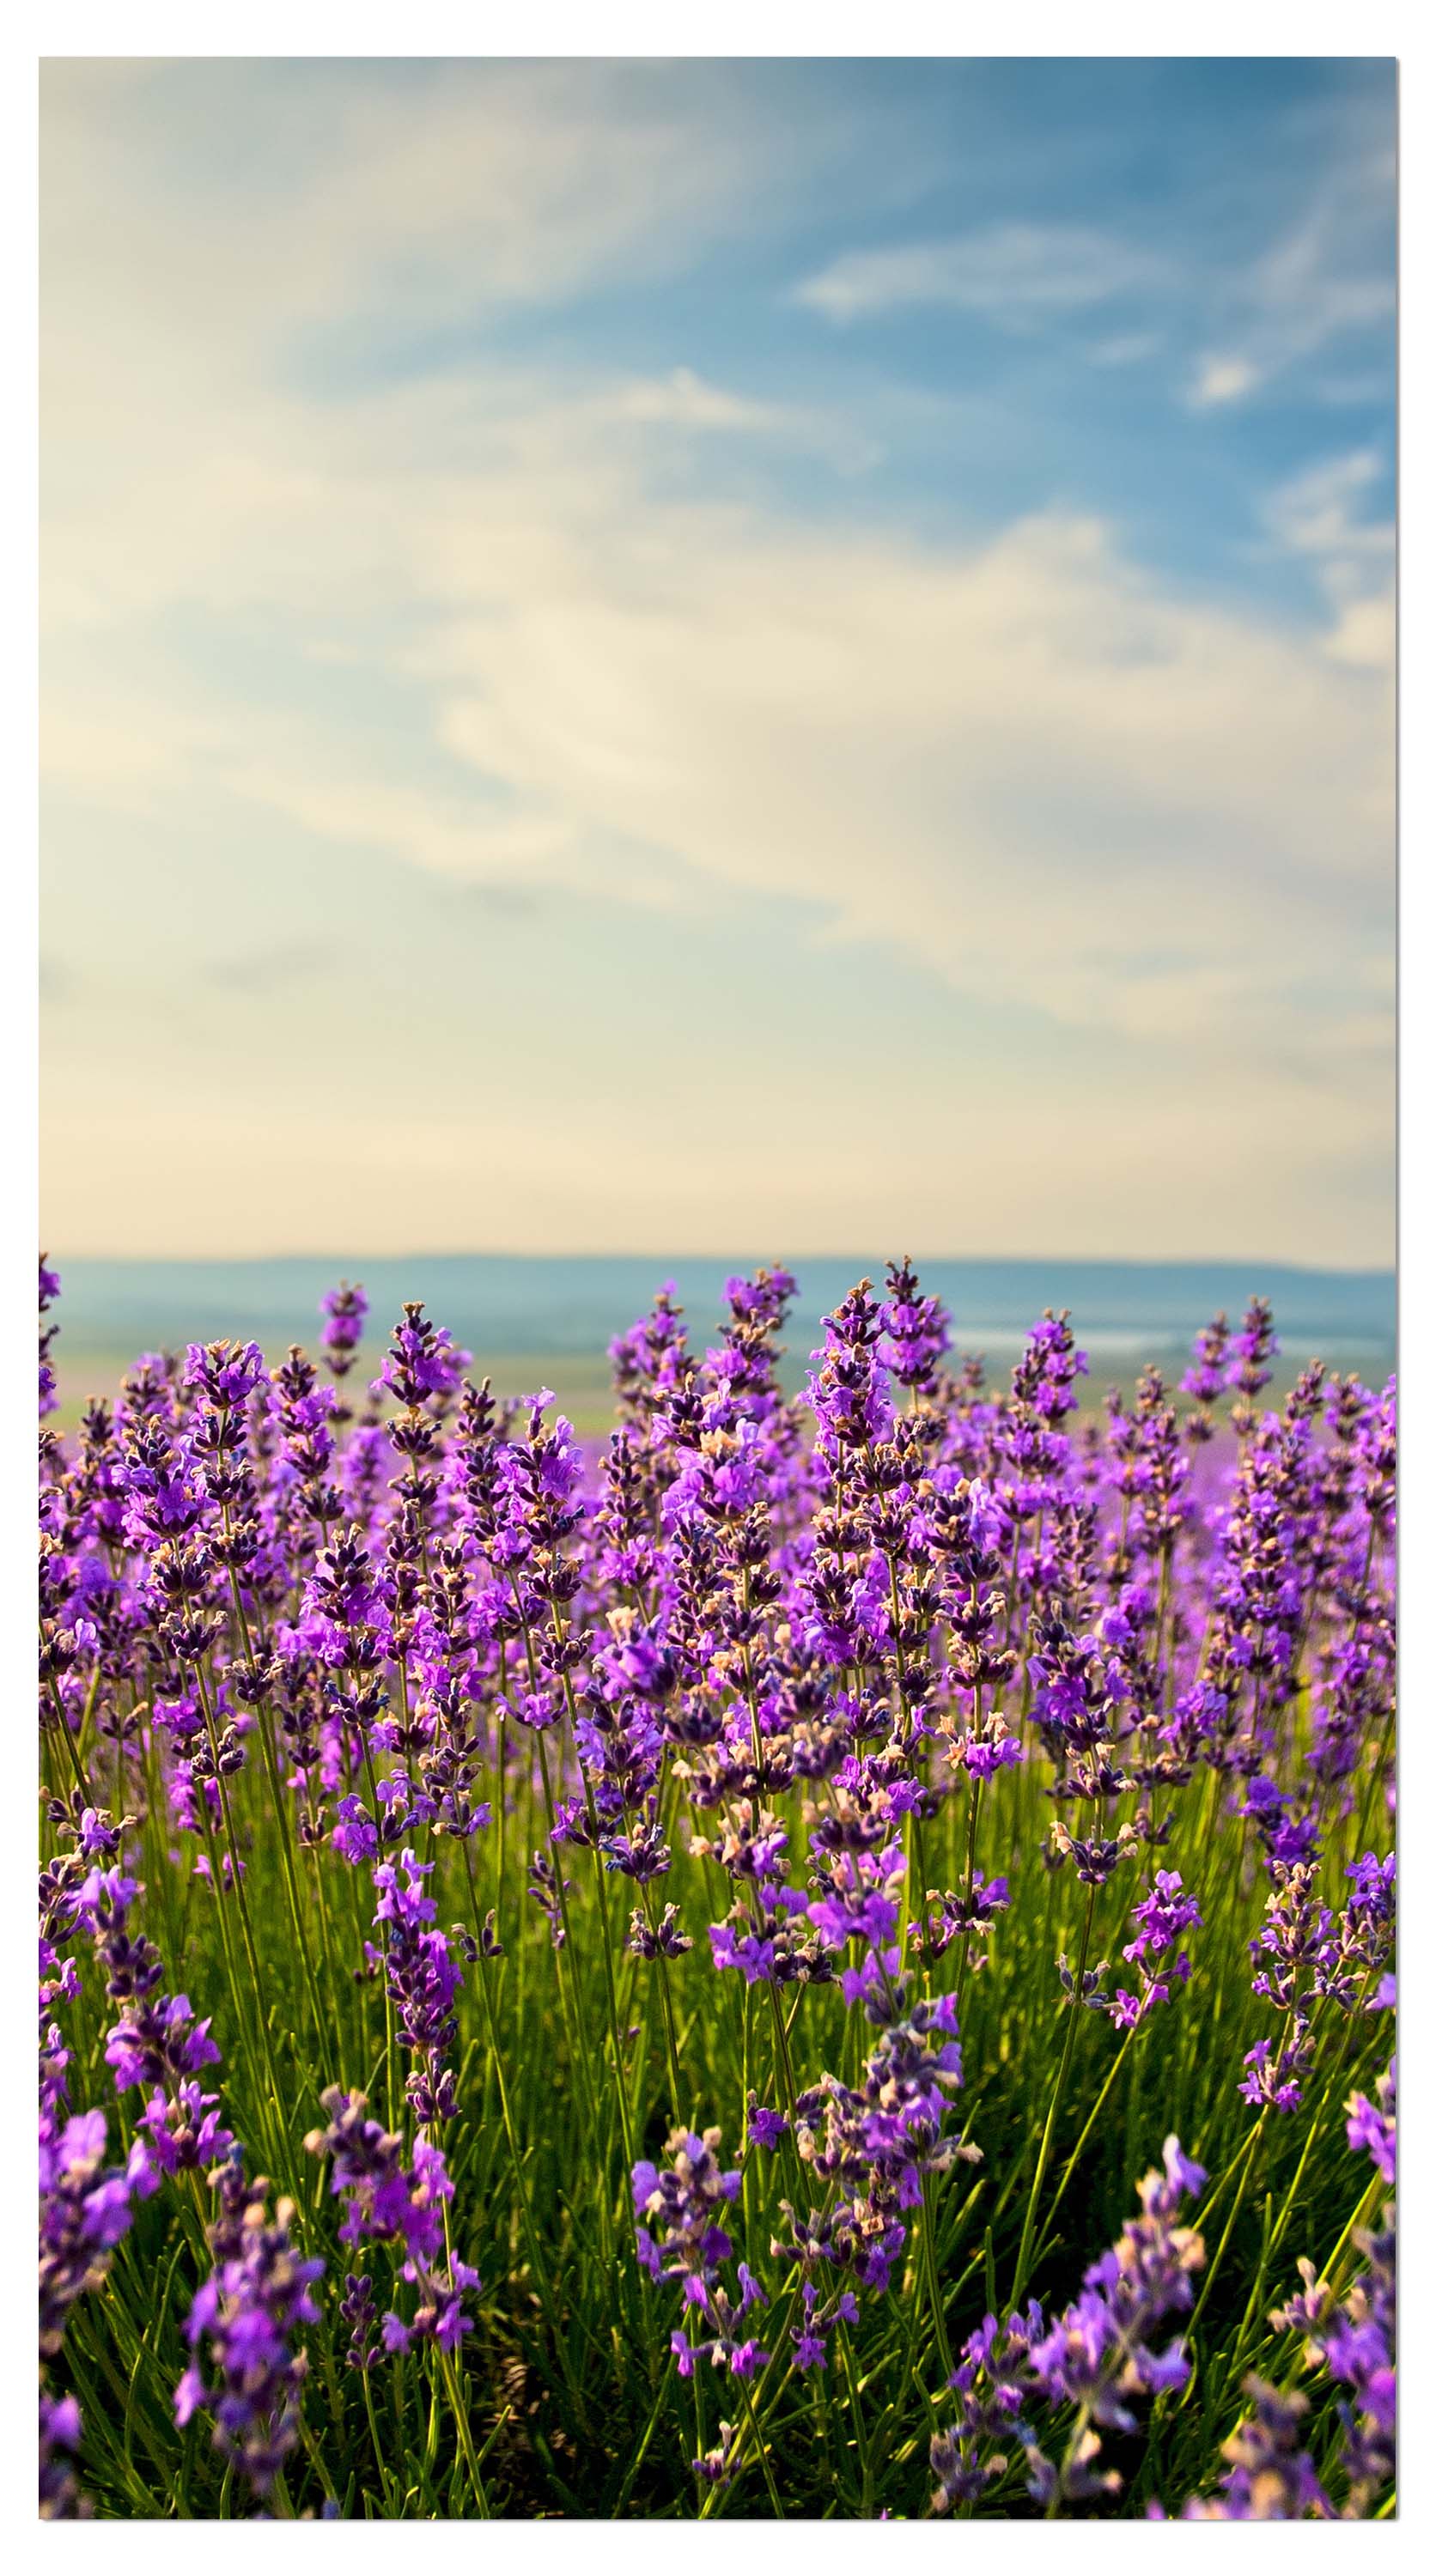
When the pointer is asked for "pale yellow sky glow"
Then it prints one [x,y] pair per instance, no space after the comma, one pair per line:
[558,734]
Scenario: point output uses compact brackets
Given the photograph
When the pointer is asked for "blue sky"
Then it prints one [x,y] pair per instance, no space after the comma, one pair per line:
[675,657]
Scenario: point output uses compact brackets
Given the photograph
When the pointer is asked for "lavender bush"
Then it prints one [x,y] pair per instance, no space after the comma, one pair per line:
[831,1958]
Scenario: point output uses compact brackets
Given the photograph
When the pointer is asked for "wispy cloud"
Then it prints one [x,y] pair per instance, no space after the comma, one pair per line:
[646,689]
[402,203]
[1319,512]
[1316,282]
[1125,349]
[1324,286]
[1014,275]
[684,400]
[658,640]
[1322,515]
[276,966]
[1223,380]
[686,403]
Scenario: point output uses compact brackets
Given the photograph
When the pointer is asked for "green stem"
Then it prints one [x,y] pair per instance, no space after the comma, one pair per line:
[1075,2008]
[461,2422]
[1072,2162]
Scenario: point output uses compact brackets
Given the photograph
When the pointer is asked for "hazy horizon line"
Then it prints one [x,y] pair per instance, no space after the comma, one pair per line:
[1073,1260]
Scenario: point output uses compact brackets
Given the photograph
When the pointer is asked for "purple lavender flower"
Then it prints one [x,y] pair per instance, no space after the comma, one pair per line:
[344,1310]
[423,1981]
[60,2433]
[744,1657]
[991,2382]
[156,2046]
[227,1372]
[679,2237]
[248,2312]
[1372,2125]
[1271,2478]
[681,2240]
[85,2208]
[916,1329]
[664,1939]
[845,1384]
[1161,1917]
[390,2198]
[421,1361]
[49,1291]
[765,2128]
[877,2141]
[1353,2337]
[1205,1380]
[819,2316]
[1253,1346]
[1097,2356]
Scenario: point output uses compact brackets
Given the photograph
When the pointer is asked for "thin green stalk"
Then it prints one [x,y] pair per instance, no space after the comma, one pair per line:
[1024,2250]
[281,1810]
[764,2463]
[461,2423]
[1074,2159]
[974,1792]
[927,2229]
[606,1942]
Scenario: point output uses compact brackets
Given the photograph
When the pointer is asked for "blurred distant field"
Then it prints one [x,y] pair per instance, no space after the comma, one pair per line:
[533,1322]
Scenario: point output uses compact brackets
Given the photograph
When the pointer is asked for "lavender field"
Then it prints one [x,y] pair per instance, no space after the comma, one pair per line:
[823,1954]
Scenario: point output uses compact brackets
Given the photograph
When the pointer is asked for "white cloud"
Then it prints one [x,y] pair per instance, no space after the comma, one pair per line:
[1013,274]
[1222,380]
[1319,516]
[926,745]
[1316,512]
[1324,286]
[1018,765]
[1124,349]
[683,400]
[1327,281]
[313,192]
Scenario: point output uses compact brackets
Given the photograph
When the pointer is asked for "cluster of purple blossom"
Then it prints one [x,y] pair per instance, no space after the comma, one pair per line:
[795,1668]
[391,2198]
[247,2313]
[1351,2340]
[1094,2358]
